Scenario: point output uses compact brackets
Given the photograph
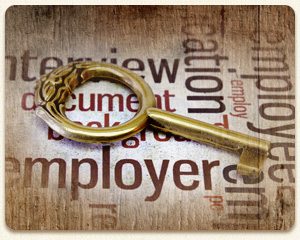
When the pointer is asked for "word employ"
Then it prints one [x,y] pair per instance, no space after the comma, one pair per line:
[157,176]
[272,79]
[238,97]
[131,102]
[49,63]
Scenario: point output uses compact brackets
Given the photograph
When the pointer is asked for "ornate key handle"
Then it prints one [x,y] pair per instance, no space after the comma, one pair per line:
[54,88]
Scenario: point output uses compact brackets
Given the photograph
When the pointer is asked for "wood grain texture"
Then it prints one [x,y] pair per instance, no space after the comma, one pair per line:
[227,65]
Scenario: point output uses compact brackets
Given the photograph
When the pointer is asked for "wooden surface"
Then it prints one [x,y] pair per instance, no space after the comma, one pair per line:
[227,65]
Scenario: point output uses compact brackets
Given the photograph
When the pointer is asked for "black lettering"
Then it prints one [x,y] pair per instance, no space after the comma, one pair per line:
[44,66]
[189,81]
[217,99]
[13,67]
[273,131]
[25,66]
[263,107]
[157,75]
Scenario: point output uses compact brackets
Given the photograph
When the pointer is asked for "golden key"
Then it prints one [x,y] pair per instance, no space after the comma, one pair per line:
[53,89]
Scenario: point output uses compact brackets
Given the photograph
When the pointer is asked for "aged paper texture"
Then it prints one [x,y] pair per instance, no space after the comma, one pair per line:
[232,66]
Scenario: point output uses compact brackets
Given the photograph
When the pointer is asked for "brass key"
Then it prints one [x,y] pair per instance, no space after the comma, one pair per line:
[55,87]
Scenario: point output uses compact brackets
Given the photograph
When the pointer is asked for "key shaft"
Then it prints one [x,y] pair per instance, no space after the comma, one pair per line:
[253,151]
